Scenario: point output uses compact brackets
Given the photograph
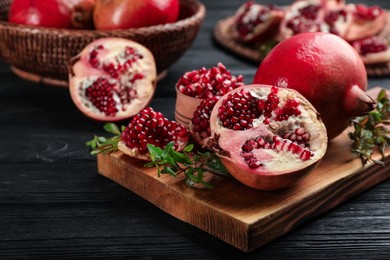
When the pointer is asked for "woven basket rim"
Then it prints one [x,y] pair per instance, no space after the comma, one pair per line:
[199,14]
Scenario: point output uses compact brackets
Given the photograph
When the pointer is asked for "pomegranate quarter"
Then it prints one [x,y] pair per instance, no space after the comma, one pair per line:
[112,79]
[151,127]
[268,138]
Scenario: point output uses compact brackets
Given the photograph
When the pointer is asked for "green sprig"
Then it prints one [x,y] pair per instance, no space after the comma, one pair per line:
[101,144]
[371,131]
[192,165]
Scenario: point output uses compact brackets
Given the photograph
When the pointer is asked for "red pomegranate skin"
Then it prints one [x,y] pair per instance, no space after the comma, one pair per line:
[124,14]
[326,70]
[52,13]
[46,13]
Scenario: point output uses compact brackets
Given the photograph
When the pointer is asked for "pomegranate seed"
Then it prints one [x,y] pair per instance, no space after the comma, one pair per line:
[153,128]
[204,83]
[367,13]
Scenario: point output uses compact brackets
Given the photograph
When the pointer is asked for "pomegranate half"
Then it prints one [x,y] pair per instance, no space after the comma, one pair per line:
[268,138]
[112,79]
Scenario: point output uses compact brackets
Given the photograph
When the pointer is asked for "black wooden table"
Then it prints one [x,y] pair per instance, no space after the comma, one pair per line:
[53,203]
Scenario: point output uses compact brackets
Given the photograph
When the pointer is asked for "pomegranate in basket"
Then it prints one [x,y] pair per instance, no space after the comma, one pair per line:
[53,13]
[124,14]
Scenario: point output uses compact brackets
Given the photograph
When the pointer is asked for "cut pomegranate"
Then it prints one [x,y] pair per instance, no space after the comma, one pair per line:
[315,16]
[366,21]
[255,23]
[267,137]
[151,127]
[326,70]
[373,50]
[197,85]
[112,79]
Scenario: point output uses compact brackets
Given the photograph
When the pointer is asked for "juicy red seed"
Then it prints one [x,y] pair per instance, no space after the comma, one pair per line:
[201,119]
[289,109]
[100,93]
[332,16]
[367,13]
[204,83]
[305,155]
[310,12]
[232,111]
[276,143]
[254,163]
[113,67]
[151,127]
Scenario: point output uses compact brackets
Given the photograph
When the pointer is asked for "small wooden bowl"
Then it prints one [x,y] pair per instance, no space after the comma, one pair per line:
[41,54]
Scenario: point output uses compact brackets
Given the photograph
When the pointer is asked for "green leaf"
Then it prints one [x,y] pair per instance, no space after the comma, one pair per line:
[168,170]
[112,128]
[370,131]
[150,164]
[180,157]
[188,148]
[154,151]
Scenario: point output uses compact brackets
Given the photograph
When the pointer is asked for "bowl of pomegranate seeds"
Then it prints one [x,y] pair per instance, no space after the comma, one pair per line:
[38,44]
[202,84]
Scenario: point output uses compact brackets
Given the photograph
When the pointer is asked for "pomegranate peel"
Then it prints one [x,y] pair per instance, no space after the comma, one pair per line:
[282,139]
[112,79]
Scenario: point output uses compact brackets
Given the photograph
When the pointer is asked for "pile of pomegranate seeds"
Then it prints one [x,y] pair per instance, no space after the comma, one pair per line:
[204,83]
[151,127]
[201,120]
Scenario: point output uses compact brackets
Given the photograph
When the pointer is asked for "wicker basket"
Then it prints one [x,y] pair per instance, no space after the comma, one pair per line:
[42,54]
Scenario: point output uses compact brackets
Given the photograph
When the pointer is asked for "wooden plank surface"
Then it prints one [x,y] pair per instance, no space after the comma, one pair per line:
[241,216]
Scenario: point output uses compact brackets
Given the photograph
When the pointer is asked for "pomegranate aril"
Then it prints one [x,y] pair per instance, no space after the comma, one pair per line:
[151,127]
[233,109]
[254,163]
[367,13]
[310,12]
[204,83]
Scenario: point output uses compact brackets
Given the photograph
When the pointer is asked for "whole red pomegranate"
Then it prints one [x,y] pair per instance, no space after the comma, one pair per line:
[123,14]
[151,127]
[53,13]
[267,137]
[326,70]
[112,79]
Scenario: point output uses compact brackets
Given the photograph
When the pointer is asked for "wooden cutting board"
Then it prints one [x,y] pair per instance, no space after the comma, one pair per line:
[241,216]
